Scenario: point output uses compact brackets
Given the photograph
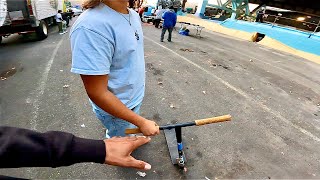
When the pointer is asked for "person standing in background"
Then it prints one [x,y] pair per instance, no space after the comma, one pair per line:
[169,22]
[157,20]
[65,17]
[176,5]
[59,20]
[260,15]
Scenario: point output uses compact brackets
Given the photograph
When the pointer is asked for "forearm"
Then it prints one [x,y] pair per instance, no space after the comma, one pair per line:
[112,105]
[26,148]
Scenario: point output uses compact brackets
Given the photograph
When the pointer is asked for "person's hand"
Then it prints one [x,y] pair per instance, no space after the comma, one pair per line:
[149,128]
[118,152]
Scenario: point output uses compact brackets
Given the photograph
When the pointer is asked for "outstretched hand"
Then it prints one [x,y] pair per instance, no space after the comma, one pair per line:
[119,149]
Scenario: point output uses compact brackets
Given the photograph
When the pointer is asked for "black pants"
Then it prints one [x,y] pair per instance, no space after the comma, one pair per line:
[164,29]
[67,21]
[259,18]
[157,22]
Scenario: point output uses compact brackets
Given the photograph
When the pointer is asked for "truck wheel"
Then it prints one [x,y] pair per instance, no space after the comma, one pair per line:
[42,30]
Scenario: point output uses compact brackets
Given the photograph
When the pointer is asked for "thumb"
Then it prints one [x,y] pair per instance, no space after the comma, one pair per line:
[139,164]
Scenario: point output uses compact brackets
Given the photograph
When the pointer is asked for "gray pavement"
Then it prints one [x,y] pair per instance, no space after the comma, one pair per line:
[273,97]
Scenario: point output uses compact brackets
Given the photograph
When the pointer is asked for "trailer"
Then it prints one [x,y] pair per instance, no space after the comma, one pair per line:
[27,16]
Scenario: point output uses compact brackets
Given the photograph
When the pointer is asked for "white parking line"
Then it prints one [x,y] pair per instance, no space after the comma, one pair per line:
[42,85]
[264,48]
[218,49]
[242,93]
[270,50]
[276,53]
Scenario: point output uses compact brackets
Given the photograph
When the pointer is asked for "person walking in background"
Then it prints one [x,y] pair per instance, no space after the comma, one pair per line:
[169,22]
[59,20]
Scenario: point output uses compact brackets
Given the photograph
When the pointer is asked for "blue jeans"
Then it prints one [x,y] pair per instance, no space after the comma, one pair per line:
[114,125]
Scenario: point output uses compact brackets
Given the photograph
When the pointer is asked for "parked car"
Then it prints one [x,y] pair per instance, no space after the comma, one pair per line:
[76,11]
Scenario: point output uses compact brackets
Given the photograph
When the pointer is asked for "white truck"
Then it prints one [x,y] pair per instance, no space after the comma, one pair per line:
[27,16]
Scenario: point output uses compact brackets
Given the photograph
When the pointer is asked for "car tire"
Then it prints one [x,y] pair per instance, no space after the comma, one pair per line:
[42,30]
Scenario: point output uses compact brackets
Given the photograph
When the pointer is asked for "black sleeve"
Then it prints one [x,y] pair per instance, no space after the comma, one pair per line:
[26,148]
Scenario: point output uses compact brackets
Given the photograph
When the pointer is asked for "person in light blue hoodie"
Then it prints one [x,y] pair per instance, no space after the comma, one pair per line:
[108,54]
[169,22]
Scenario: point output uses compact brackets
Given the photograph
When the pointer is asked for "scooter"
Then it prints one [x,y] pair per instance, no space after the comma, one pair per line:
[173,136]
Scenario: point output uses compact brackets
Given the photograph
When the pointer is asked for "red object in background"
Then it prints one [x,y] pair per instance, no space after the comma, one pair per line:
[141,10]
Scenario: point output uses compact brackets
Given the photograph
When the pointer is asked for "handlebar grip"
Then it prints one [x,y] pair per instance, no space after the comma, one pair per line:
[133,131]
[201,122]
[197,122]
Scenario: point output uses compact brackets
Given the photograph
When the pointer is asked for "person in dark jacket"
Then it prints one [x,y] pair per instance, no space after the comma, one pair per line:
[67,16]
[26,148]
[260,15]
[169,22]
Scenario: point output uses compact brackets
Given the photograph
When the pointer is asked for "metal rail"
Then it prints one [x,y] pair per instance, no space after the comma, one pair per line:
[278,17]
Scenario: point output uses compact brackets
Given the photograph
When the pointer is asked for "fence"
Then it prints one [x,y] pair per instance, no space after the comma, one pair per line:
[309,27]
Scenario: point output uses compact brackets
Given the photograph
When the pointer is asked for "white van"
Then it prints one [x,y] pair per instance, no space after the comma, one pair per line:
[27,16]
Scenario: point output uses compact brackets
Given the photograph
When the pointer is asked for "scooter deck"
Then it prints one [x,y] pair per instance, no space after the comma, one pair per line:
[172,144]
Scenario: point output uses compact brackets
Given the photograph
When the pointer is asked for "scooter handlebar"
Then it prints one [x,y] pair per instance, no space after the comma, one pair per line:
[133,131]
[199,122]
[224,118]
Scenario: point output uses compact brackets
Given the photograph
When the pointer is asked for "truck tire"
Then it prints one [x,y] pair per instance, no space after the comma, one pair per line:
[42,30]
[0,39]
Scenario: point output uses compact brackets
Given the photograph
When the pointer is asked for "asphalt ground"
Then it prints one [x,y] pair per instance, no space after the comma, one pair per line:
[273,97]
